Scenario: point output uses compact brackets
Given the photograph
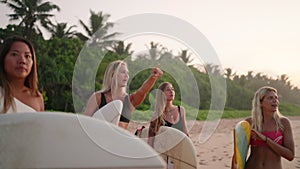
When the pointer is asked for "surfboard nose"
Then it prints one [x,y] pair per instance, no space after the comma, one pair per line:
[66,140]
[111,112]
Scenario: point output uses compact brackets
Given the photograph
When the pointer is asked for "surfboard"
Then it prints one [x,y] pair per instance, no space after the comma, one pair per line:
[241,139]
[66,140]
[111,112]
[174,146]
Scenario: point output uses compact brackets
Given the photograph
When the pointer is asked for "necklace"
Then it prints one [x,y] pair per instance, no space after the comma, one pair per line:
[169,112]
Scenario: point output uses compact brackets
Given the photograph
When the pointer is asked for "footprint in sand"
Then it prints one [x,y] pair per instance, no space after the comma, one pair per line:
[298,164]
[202,162]
[214,158]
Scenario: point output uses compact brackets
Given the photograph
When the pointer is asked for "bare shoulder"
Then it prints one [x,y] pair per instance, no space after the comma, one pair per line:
[33,99]
[94,99]
[249,120]
[37,94]
[96,95]
[40,100]
[182,109]
[92,103]
[285,121]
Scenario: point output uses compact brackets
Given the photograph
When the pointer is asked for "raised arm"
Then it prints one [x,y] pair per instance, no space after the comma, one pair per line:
[138,97]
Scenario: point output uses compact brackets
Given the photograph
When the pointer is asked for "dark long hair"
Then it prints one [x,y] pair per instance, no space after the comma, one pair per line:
[31,80]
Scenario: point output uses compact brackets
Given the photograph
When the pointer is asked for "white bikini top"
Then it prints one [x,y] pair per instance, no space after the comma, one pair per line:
[20,106]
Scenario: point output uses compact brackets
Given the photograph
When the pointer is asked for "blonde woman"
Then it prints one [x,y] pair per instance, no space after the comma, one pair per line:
[114,88]
[18,77]
[271,135]
[166,114]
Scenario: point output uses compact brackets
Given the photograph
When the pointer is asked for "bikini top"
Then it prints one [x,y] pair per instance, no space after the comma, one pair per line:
[126,114]
[20,106]
[275,136]
[177,125]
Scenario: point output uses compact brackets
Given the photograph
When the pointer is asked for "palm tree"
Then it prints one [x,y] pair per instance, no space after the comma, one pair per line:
[120,48]
[241,80]
[213,69]
[29,12]
[155,52]
[61,30]
[249,75]
[229,74]
[97,32]
[186,57]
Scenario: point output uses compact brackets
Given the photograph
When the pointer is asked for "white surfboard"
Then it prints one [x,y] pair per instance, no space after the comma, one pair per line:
[174,146]
[66,140]
[111,112]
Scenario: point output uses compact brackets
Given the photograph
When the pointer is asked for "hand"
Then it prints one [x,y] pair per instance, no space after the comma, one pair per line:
[256,135]
[156,72]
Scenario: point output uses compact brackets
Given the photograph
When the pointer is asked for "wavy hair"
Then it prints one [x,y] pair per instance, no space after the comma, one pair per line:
[257,117]
[160,105]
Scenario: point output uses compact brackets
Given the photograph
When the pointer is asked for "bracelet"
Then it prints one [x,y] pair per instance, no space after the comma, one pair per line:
[266,140]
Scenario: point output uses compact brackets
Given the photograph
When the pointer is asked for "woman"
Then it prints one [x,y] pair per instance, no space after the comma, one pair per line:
[271,135]
[18,74]
[166,114]
[113,88]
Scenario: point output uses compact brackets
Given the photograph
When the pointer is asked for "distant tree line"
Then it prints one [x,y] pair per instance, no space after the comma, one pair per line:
[56,58]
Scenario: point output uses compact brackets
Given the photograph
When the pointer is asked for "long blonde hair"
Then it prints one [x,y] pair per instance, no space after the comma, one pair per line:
[160,105]
[257,117]
[111,75]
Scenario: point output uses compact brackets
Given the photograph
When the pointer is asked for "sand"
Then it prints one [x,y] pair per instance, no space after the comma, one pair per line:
[217,151]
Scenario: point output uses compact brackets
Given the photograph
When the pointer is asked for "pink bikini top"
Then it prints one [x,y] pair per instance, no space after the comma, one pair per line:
[275,136]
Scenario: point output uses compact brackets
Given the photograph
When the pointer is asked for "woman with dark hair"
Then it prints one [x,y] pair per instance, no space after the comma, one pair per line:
[18,77]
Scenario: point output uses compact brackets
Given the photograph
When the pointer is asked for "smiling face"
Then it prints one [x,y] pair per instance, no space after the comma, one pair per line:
[270,102]
[18,61]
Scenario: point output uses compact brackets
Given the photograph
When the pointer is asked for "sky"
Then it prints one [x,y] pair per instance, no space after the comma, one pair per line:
[258,36]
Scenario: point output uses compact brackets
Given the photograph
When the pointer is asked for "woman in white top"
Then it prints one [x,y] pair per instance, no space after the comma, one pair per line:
[18,77]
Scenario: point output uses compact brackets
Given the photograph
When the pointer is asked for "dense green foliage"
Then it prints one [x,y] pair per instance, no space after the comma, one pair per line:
[56,58]
[285,109]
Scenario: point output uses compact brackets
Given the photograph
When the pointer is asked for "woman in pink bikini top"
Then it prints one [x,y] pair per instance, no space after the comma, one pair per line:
[275,136]
[271,135]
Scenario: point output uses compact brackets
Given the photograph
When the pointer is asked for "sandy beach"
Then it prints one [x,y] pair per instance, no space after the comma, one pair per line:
[217,151]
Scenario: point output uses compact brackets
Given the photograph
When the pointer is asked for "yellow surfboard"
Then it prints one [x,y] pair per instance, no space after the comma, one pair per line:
[242,133]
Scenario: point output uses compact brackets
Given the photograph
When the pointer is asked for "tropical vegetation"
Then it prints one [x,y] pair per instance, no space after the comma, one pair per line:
[57,56]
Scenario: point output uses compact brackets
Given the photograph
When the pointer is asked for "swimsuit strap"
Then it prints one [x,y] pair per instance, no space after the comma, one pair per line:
[103,100]
[126,114]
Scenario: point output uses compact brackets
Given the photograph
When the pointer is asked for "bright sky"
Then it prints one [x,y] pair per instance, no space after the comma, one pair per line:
[259,36]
